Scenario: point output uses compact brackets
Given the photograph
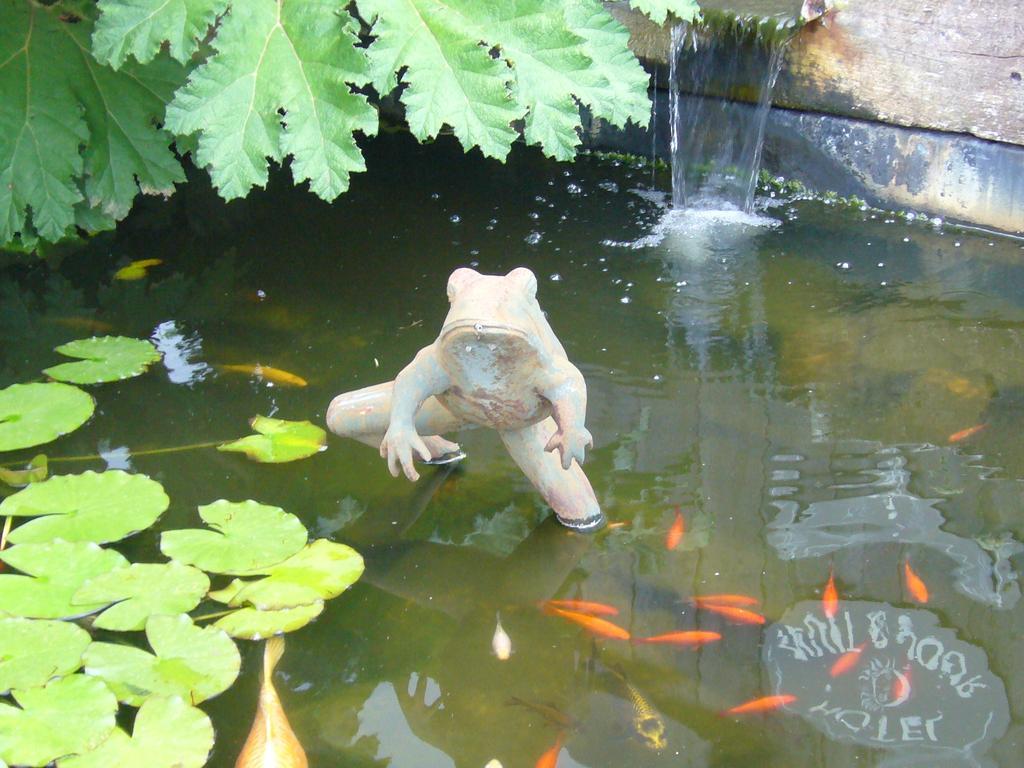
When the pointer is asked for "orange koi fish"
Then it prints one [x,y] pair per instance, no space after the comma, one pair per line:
[692,639]
[583,606]
[702,600]
[830,598]
[137,269]
[764,704]
[271,742]
[82,324]
[594,625]
[917,588]
[550,758]
[675,533]
[847,661]
[267,373]
[963,434]
[900,690]
[741,615]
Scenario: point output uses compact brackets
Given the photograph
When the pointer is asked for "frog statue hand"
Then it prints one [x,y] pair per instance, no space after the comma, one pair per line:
[496,363]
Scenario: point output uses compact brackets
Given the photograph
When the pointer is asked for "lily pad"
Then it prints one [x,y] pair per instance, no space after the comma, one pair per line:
[320,571]
[247,536]
[70,715]
[92,506]
[33,414]
[193,662]
[168,733]
[254,624]
[104,358]
[31,651]
[143,590]
[34,472]
[279,440]
[55,571]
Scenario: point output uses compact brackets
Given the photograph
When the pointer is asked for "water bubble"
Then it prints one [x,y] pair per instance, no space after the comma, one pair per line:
[656,377]
[434,196]
[609,186]
[906,239]
[880,264]
[956,244]
[533,215]
[533,238]
[573,189]
[681,283]
[539,199]
[625,300]
[555,277]
[843,264]
[455,218]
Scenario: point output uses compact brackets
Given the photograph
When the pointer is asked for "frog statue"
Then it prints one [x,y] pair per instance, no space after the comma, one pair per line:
[496,363]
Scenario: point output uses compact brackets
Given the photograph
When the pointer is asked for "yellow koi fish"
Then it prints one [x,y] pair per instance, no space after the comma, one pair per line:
[271,742]
[137,269]
[649,726]
[267,373]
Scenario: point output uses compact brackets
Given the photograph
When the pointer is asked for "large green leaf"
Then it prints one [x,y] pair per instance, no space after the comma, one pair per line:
[143,590]
[70,715]
[192,662]
[32,414]
[139,27]
[104,358]
[74,134]
[246,537]
[279,440]
[93,506]
[658,10]
[451,78]
[32,651]
[55,571]
[254,624]
[168,733]
[290,56]
[320,571]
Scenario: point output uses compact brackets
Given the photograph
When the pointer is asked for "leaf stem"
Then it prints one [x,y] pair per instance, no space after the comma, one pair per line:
[216,615]
[6,532]
[146,452]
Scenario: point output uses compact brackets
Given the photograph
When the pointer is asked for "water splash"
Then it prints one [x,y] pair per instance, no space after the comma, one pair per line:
[716,136]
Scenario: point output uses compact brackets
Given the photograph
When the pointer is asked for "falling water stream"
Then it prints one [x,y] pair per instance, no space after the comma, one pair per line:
[716,132]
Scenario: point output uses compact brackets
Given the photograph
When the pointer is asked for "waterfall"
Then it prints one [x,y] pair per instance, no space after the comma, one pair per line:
[716,134]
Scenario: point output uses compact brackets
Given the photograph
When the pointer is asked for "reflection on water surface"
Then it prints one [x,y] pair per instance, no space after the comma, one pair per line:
[790,384]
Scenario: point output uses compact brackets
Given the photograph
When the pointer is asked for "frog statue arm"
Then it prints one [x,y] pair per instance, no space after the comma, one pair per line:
[566,390]
[420,379]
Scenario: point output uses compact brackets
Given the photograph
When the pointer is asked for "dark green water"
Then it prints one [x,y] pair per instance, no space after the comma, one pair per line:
[790,387]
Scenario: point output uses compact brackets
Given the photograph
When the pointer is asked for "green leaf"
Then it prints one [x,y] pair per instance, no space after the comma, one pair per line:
[322,570]
[658,10]
[55,572]
[35,472]
[451,78]
[72,129]
[139,28]
[606,42]
[192,662]
[168,733]
[70,715]
[32,652]
[279,440]
[104,358]
[143,590]
[93,506]
[32,414]
[254,624]
[246,537]
[295,57]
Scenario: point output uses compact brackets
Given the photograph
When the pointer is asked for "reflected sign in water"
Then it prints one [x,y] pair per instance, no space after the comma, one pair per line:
[915,689]
[887,513]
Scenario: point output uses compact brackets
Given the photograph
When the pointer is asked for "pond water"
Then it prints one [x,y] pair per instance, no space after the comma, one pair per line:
[788,380]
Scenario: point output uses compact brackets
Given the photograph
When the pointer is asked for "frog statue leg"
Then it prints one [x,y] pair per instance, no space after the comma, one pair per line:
[559,478]
[366,415]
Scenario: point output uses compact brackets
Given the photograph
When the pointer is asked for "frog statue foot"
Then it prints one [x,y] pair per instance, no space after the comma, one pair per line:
[496,363]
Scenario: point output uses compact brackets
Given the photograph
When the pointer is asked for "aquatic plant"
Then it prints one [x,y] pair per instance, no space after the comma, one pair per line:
[60,688]
[96,96]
